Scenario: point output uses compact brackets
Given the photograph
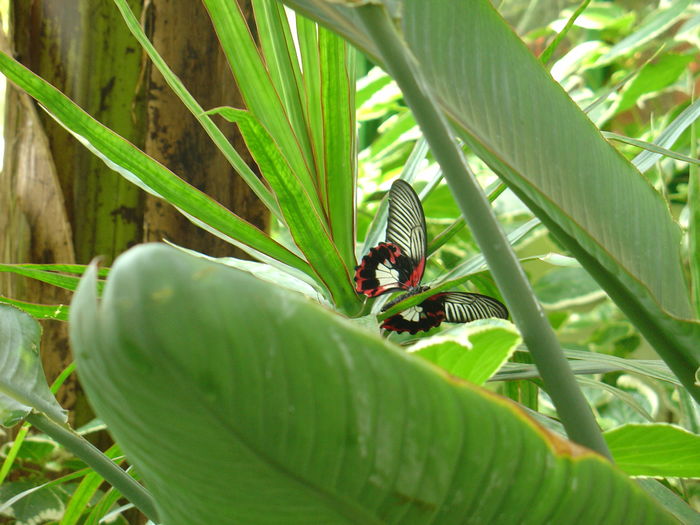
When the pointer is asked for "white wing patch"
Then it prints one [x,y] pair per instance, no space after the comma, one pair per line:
[387,275]
[412,314]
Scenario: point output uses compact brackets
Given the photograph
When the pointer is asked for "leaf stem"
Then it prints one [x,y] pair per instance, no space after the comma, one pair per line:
[105,467]
[537,333]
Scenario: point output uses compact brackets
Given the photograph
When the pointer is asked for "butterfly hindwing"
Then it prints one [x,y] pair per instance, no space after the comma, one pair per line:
[451,307]
[418,318]
[399,263]
[462,307]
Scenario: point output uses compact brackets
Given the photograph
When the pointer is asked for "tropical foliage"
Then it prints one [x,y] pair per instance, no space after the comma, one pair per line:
[261,392]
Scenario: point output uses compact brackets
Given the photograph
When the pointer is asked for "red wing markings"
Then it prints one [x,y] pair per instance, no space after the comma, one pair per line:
[399,263]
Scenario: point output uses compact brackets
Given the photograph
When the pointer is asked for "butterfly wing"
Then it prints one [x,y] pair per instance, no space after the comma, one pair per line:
[462,307]
[452,307]
[383,269]
[406,227]
[399,262]
[419,318]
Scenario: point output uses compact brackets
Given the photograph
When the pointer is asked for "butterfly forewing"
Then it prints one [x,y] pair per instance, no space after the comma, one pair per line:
[398,264]
[406,227]
[462,307]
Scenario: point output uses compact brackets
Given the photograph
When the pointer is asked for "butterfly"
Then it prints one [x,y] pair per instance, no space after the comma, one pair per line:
[399,263]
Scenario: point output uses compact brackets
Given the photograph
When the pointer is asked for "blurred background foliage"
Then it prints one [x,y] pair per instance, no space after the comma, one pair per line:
[632,66]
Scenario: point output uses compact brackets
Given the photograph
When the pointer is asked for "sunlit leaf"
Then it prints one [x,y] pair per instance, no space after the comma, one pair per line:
[524,126]
[472,352]
[228,413]
[657,450]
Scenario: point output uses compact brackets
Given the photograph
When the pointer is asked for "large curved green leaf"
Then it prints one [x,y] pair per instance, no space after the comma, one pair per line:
[241,402]
[512,113]
[22,382]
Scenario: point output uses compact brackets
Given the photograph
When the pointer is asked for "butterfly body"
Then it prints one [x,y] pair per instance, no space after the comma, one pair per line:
[398,265]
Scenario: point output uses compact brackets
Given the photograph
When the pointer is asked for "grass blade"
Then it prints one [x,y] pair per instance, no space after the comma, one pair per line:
[141,169]
[306,226]
[257,88]
[188,100]
[337,64]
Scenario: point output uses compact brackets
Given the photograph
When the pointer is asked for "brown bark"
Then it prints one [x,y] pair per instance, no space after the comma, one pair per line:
[183,34]
[82,209]
[35,222]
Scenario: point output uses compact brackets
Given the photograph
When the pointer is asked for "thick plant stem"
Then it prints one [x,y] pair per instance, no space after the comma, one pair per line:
[537,333]
[105,467]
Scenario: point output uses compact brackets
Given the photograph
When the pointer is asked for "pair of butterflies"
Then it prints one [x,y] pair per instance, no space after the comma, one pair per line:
[399,263]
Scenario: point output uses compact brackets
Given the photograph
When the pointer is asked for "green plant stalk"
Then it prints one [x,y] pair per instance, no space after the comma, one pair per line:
[105,467]
[694,225]
[19,439]
[549,51]
[538,335]
[12,453]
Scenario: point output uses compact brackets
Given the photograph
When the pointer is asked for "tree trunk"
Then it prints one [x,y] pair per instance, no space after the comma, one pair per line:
[183,34]
[75,206]
[82,209]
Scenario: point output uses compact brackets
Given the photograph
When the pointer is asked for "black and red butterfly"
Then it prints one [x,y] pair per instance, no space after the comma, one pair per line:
[399,263]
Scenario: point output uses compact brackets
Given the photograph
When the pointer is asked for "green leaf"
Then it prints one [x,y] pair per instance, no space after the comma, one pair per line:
[34,506]
[49,276]
[72,269]
[376,92]
[666,139]
[238,400]
[299,283]
[258,89]
[618,393]
[654,76]
[306,226]
[193,106]
[22,382]
[650,147]
[657,450]
[547,53]
[478,262]
[657,22]
[525,127]
[563,288]
[337,97]
[473,352]
[693,207]
[669,499]
[585,362]
[58,312]
[145,172]
[280,55]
